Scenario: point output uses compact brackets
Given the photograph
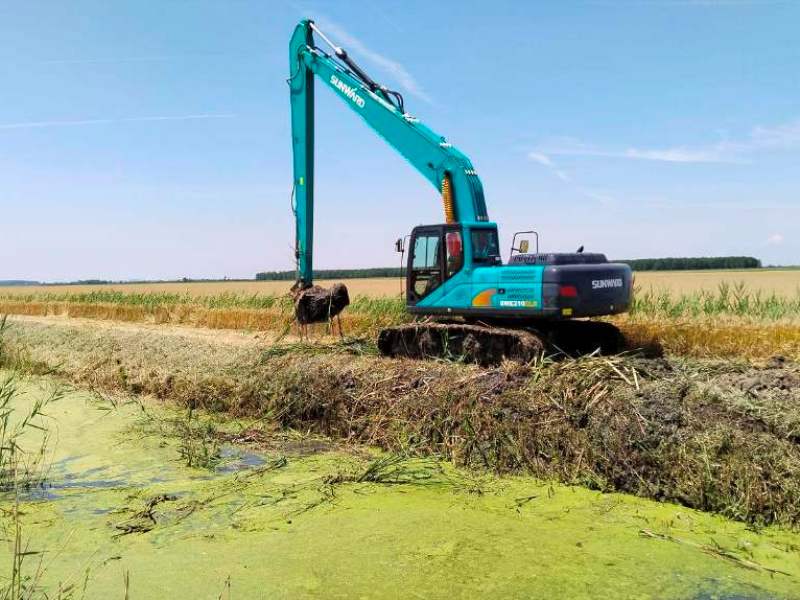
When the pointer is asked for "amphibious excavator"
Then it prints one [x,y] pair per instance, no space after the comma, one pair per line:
[466,301]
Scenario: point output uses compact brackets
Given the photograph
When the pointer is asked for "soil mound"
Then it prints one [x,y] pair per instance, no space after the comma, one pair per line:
[779,378]
[317,304]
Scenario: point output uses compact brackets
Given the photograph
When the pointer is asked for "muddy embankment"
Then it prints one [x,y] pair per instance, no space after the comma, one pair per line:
[717,436]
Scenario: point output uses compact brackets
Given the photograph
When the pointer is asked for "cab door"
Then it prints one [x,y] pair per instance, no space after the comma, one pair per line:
[426,269]
[457,287]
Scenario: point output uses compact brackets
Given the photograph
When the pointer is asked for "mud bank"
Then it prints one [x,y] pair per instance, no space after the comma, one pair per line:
[120,511]
[717,436]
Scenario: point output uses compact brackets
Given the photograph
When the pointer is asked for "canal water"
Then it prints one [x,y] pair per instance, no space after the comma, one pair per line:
[119,511]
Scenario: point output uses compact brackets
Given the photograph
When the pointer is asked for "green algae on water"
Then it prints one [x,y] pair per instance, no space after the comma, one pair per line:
[345,524]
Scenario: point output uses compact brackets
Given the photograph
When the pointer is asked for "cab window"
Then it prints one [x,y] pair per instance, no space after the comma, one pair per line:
[426,271]
[485,247]
[455,252]
[426,252]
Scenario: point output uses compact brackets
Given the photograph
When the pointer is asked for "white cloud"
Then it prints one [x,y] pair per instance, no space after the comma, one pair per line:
[779,138]
[546,162]
[681,155]
[540,158]
[786,135]
[602,198]
[572,147]
[393,68]
[37,124]
[134,59]
[776,239]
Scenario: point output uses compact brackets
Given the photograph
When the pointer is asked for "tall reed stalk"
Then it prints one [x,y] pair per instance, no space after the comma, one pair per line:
[728,300]
[22,467]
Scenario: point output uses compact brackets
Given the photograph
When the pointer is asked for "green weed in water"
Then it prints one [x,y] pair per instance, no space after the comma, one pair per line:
[21,468]
[198,443]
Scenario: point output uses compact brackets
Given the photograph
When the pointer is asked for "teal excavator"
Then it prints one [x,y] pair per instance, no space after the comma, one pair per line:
[467,302]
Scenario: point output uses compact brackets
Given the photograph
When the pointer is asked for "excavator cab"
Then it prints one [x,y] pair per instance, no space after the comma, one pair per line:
[439,252]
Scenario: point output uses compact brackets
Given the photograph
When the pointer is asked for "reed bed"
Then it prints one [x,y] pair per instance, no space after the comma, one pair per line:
[24,440]
[727,300]
[365,315]
[718,436]
[733,320]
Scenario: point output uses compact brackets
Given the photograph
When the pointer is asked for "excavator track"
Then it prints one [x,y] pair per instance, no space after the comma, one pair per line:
[471,343]
[578,338]
[490,345]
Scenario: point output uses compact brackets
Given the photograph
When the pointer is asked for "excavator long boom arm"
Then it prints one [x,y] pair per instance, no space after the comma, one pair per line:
[448,170]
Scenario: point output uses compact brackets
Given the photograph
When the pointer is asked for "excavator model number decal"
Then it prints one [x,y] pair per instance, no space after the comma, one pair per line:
[519,303]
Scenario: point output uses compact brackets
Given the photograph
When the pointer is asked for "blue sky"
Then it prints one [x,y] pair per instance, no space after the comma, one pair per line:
[151,139]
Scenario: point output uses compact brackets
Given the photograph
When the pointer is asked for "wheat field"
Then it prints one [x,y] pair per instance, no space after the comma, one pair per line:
[783,282]
[753,314]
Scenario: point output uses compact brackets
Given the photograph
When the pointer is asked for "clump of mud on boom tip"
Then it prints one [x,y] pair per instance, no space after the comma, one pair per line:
[317,304]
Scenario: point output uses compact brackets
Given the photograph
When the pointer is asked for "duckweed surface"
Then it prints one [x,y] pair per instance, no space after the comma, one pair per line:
[121,512]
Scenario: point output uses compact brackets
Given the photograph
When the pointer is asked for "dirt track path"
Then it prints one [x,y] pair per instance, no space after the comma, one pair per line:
[219,336]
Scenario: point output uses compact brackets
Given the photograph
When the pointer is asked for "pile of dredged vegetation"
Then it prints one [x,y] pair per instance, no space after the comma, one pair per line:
[717,436]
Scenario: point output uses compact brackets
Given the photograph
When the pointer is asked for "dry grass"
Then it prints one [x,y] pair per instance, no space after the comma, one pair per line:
[719,337]
[735,323]
[375,287]
[719,436]
[783,282]
[253,312]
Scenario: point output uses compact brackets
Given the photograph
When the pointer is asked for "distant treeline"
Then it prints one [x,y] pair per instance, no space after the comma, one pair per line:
[699,263]
[332,274]
[639,264]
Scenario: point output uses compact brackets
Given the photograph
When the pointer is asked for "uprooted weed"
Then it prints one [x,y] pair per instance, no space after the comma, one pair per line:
[199,445]
[355,346]
[199,441]
[715,436]
[391,469]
